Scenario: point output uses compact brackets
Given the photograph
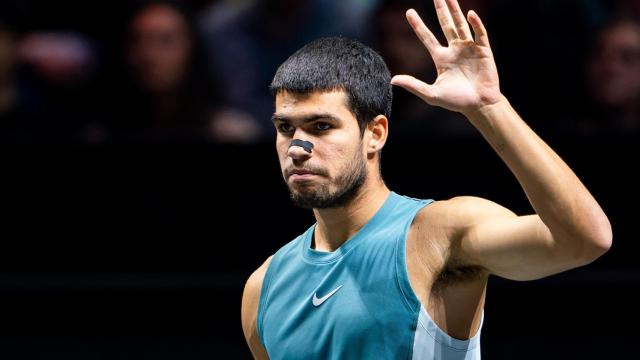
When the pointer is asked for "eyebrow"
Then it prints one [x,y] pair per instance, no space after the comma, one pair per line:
[304,119]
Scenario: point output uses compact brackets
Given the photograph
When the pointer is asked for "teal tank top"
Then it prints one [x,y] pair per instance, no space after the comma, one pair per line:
[355,302]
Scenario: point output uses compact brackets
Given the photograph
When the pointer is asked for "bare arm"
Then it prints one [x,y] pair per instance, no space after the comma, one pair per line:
[250,301]
[569,228]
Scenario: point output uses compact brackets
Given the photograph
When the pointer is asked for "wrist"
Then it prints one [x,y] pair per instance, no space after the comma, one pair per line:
[484,111]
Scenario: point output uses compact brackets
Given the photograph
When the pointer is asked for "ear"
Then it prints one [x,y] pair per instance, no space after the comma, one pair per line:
[377,132]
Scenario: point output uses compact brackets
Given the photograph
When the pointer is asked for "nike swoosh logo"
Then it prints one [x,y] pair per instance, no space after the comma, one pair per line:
[317,302]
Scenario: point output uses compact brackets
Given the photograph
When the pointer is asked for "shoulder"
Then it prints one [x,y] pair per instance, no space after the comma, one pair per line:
[255,280]
[458,213]
[253,286]
[250,302]
[442,226]
[254,283]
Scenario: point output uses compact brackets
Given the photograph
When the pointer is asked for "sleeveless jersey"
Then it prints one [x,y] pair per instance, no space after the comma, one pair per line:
[355,302]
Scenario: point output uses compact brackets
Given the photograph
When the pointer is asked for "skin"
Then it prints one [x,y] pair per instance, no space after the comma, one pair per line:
[319,118]
[614,72]
[159,49]
[468,236]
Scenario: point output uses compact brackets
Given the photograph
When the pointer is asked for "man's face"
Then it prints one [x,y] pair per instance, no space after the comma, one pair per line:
[334,171]
[614,70]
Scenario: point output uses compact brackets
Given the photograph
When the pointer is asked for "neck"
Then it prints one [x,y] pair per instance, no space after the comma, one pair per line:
[337,225]
[165,106]
[629,121]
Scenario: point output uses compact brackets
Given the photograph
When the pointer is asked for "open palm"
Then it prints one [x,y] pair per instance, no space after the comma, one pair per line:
[467,74]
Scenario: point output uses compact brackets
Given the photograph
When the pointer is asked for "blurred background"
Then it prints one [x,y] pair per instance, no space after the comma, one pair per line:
[139,186]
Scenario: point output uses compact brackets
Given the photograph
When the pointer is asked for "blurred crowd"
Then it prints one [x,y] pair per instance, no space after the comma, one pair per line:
[170,71]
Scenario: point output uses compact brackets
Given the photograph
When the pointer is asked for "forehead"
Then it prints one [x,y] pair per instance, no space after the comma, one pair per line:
[334,102]
[623,34]
[158,17]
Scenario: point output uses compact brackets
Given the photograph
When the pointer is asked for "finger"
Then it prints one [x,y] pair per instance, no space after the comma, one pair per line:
[416,87]
[446,21]
[422,31]
[460,22]
[482,38]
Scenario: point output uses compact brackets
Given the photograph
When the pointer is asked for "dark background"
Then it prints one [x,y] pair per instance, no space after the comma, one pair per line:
[141,250]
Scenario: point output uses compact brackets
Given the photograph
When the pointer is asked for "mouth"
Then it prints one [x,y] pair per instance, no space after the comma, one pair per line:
[301,175]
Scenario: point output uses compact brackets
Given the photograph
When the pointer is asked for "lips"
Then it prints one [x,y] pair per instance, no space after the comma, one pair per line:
[301,174]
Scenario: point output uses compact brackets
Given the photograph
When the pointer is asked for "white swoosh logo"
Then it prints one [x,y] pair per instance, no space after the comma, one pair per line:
[317,302]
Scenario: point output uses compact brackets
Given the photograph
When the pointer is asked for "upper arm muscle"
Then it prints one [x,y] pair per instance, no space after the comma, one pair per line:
[507,245]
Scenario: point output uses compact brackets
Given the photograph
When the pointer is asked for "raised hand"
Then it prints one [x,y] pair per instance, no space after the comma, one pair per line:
[467,75]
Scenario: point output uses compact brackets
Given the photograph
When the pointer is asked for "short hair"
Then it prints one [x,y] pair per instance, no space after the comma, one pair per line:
[334,63]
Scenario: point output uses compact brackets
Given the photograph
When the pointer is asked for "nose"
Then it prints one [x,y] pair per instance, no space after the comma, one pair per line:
[297,153]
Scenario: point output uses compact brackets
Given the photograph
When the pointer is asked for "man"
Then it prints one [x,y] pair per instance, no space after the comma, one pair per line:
[613,81]
[383,276]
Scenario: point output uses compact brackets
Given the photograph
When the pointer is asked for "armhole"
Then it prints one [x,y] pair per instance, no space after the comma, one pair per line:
[425,327]
[428,334]
[264,298]
[402,274]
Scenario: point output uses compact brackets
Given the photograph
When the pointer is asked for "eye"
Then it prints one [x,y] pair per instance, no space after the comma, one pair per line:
[322,126]
[285,127]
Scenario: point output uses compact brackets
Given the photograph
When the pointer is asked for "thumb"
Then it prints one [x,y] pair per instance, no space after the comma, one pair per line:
[416,87]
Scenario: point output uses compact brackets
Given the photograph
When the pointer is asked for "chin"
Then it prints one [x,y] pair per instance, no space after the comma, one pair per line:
[305,192]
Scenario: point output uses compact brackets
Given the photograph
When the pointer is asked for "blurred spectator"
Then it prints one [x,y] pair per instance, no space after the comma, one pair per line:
[613,81]
[60,57]
[169,95]
[249,40]
[8,60]
[62,65]
[21,116]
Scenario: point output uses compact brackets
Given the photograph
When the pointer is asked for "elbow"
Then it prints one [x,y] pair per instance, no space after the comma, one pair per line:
[596,249]
[598,242]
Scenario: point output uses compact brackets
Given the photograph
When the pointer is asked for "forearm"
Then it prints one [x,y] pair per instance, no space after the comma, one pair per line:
[557,195]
